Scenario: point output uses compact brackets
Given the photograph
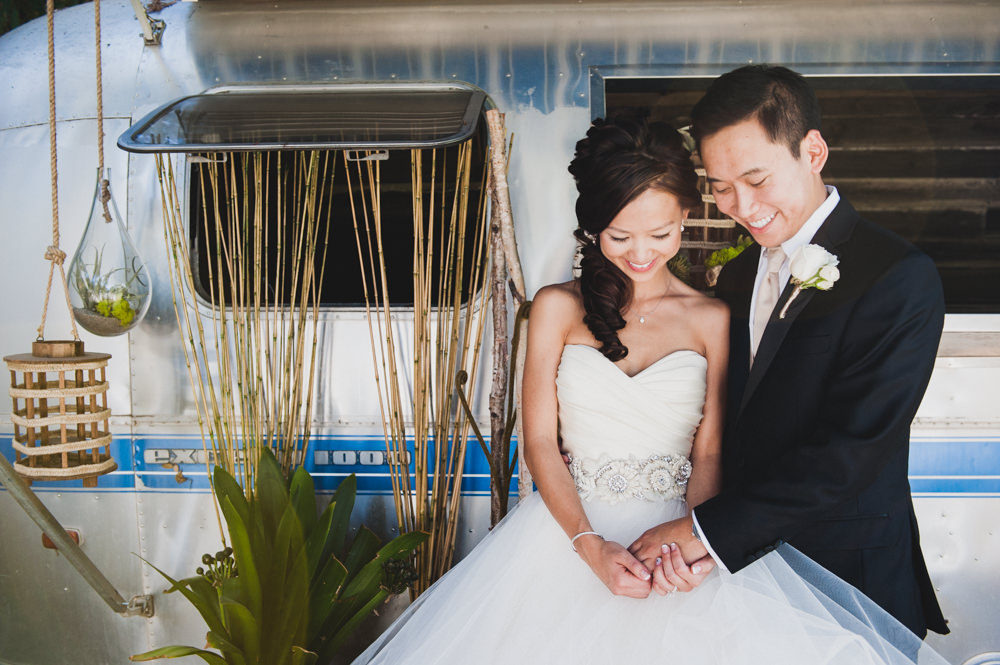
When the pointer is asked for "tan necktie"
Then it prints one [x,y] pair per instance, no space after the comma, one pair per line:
[767,296]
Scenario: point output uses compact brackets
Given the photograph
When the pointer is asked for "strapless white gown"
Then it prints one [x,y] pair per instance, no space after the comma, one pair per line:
[523,596]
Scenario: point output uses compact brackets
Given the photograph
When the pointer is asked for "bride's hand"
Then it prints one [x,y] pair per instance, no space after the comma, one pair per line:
[621,572]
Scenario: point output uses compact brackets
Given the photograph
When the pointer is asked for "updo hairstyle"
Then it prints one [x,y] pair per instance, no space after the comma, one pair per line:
[619,160]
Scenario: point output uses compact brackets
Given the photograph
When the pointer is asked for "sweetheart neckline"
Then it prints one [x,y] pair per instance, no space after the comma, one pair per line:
[644,369]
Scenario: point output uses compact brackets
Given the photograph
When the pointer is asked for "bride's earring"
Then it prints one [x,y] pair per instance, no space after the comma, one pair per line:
[682,228]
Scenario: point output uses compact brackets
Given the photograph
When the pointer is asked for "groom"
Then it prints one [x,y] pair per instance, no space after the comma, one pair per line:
[823,384]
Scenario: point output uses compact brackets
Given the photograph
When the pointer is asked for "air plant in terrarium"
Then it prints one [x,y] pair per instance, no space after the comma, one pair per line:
[108,281]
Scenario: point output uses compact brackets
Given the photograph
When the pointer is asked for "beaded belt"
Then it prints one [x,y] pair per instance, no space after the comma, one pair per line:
[611,479]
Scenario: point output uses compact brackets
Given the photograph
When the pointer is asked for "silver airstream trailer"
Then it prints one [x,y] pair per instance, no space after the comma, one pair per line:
[911,96]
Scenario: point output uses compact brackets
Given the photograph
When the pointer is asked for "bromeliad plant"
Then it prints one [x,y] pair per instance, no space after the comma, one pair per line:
[290,590]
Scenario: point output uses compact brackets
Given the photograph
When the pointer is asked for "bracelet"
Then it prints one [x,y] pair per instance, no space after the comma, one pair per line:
[572,542]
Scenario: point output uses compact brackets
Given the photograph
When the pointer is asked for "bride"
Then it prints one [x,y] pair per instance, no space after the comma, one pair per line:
[625,373]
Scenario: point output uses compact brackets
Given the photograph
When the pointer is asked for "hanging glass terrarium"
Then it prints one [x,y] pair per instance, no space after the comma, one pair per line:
[109,284]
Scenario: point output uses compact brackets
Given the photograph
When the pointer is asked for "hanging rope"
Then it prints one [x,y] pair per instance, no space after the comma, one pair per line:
[105,192]
[53,254]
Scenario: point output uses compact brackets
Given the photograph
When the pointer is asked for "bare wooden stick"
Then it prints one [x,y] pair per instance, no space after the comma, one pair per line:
[498,390]
[524,484]
[501,200]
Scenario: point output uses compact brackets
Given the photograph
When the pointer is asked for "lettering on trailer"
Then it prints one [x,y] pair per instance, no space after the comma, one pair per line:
[320,457]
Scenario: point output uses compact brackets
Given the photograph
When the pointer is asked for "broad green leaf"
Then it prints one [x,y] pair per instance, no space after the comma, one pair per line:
[208,611]
[230,652]
[364,547]
[249,576]
[366,582]
[226,486]
[179,583]
[286,589]
[260,539]
[271,493]
[317,540]
[303,492]
[403,544]
[290,613]
[284,543]
[233,591]
[371,574]
[244,630]
[273,576]
[323,594]
[179,652]
[347,605]
[337,640]
[342,610]
[343,505]
[208,593]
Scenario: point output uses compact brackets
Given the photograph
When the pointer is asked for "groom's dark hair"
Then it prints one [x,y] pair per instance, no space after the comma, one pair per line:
[778,98]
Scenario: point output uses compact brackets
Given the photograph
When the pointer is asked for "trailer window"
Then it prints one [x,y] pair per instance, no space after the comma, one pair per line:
[337,253]
[250,150]
[919,155]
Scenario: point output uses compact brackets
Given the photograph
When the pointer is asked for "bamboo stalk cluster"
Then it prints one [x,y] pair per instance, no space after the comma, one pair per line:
[251,355]
[448,322]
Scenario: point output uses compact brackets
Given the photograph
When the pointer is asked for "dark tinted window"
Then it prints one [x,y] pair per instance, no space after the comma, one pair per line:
[342,282]
[917,154]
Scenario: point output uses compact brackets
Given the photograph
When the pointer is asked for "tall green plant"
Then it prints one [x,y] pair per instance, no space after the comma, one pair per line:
[298,590]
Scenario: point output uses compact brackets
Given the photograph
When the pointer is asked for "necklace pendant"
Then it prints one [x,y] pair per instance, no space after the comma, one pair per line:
[642,319]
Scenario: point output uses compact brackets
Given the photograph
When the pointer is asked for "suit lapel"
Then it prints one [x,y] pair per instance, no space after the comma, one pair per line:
[835,230]
[738,298]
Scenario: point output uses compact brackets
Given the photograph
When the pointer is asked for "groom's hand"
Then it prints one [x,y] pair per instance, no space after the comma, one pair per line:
[649,544]
[674,562]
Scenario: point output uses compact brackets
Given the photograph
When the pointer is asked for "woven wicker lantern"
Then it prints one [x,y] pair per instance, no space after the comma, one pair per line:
[61,412]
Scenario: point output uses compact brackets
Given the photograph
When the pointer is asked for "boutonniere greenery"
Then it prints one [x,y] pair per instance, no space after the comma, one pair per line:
[812,267]
[720,257]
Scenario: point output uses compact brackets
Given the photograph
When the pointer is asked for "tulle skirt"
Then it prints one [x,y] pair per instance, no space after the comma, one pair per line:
[523,596]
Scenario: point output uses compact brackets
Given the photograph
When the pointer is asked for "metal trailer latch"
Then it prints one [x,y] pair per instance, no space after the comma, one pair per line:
[139,606]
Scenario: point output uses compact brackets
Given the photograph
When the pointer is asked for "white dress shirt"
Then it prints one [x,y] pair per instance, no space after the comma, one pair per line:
[802,238]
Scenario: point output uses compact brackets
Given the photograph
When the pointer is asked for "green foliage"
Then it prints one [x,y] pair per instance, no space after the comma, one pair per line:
[289,590]
[121,309]
[680,266]
[14,13]
[721,257]
[101,294]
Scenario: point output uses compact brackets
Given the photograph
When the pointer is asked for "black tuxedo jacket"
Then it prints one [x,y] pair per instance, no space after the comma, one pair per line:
[817,431]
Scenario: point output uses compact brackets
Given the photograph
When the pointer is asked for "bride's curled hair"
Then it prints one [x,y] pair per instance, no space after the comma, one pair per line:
[618,160]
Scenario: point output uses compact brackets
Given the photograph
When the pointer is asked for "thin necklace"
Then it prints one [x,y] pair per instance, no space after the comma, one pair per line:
[642,317]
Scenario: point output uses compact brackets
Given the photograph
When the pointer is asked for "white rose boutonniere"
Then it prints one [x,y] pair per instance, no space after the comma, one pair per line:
[812,267]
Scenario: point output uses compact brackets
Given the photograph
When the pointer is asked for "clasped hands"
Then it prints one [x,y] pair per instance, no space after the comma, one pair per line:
[664,559]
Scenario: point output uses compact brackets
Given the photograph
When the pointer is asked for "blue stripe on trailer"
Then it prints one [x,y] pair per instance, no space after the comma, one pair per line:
[955,465]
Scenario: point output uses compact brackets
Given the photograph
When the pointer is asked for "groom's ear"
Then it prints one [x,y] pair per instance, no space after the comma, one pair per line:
[814,149]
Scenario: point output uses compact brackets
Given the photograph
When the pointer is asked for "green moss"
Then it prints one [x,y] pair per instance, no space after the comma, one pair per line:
[721,257]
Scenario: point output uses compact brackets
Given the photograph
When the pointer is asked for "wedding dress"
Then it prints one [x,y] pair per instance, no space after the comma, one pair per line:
[523,596]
